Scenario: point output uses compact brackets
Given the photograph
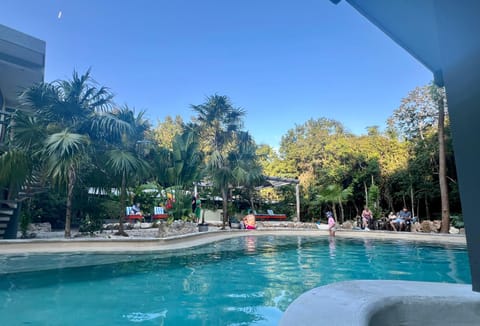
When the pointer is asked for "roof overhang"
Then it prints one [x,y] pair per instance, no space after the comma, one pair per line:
[276,182]
[438,33]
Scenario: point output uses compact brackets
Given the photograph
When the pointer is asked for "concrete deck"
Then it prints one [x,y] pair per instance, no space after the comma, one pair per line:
[191,240]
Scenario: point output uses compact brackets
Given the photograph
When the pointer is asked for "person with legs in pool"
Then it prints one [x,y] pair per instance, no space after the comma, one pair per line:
[331,224]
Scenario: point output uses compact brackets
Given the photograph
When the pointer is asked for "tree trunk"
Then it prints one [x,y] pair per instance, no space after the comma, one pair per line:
[225,205]
[252,204]
[123,195]
[366,193]
[442,167]
[388,198]
[68,215]
[342,214]
[357,211]
[418,208]
[427,209]
[334,212]
[412,200]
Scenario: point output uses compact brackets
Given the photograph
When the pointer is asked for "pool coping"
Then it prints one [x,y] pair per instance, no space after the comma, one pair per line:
[21,246]
[385,302]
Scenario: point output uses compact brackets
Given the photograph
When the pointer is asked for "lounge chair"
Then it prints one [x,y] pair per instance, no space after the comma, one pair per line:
[159,213]
[130,216]
[270,216]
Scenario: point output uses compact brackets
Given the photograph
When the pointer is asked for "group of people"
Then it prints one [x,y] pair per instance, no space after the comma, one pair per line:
[396,221]
[400,220]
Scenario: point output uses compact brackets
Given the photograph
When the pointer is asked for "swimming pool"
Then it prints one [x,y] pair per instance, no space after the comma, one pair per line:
[241,281]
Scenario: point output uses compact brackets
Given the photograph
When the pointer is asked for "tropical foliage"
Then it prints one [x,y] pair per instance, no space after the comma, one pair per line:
[70,137]
[230,158]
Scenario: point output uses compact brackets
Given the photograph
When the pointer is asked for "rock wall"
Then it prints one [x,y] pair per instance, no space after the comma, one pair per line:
[176,228]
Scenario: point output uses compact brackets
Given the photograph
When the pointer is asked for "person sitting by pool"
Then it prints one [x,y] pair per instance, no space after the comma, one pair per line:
[406,215]
[391,218]
[401,219]
[136,209]
[249,222]
[366,218]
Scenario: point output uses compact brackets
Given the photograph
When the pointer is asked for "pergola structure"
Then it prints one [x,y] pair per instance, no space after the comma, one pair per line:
[443,36]
[22,63]
[270,181]
[279,182]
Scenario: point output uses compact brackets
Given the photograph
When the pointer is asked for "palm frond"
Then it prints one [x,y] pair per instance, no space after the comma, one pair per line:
[16,169]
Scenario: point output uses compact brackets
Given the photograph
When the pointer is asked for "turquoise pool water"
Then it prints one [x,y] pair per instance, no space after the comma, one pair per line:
[241,281]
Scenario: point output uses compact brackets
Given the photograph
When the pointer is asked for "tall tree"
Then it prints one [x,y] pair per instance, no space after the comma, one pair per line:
[66,154]
[438,96]
[165,131]
[421,115]
[65,109]
[72,113]
[248,171]
[186,160]
[125,154]
[334,194]
[219,124]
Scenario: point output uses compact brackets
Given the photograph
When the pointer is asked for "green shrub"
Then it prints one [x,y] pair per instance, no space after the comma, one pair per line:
[457,221]
[24,222]
[181,206]
[90,224]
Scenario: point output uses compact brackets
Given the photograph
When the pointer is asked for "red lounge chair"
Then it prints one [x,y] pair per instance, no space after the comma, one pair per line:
[159,213]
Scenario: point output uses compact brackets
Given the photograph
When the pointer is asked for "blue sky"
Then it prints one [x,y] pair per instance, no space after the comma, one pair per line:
[284,61]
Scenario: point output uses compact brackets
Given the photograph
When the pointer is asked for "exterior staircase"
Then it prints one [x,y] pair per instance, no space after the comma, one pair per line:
[9,216]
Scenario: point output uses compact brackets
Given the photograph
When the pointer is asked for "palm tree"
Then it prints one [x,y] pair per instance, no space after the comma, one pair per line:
[73,114]
[218,124]
[185,160]
[248,171]
[66,154]
[217,120]
[127,166]
[124,156]
[335,194]
[16,168]
[20,155]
